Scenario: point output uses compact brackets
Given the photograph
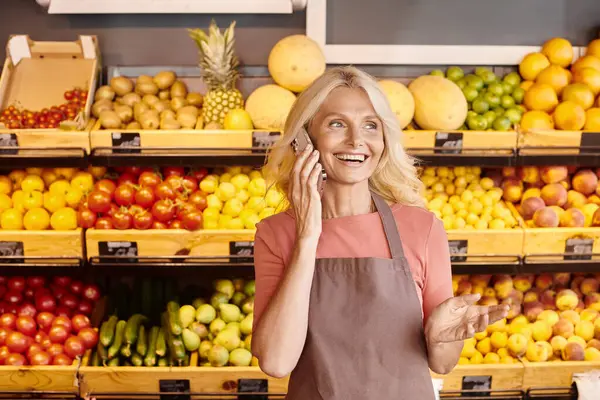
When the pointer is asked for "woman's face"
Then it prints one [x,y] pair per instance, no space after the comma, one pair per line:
[349,136]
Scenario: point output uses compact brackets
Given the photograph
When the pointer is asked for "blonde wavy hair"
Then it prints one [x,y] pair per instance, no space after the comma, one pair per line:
[395,178]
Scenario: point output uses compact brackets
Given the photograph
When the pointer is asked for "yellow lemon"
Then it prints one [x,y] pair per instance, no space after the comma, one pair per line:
[11,219]
[212,201]
[240,181]
[5,202]
[225,191]
[36,219]
[257,187]
[237,119]
[233,207]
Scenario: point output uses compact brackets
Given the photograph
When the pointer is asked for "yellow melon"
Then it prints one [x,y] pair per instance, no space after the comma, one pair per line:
[269,106]
[439,103]
[400,99]
[295,62]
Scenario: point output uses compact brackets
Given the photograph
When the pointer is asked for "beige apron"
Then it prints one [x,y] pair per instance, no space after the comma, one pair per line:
[365,337]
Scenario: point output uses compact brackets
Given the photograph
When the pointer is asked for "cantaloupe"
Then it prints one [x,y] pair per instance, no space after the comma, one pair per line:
[439,103]
[295,62]
[269,106]
[400,99]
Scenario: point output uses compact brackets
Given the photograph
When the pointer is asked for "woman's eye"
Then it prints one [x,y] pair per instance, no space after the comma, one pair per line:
[371,125]
[335,124]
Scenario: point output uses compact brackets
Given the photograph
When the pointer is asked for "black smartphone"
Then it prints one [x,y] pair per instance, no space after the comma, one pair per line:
[299,144]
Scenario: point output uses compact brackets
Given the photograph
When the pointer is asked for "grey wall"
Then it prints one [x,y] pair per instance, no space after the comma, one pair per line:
[162,40]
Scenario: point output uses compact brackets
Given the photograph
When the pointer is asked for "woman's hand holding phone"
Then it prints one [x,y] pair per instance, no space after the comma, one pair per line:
[305,196]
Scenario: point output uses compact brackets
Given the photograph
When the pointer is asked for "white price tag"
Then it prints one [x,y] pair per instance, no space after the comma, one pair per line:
[588,384]
[438,385]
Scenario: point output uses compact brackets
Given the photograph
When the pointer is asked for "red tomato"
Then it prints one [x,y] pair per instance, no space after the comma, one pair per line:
[16,283]
[29,293]
[192,220]
[59,292]
[86,218]
[143,220]
[3,291]
[70,300]
[64,321]
[40,358]
[15,360]
[36,282]
[79,322]
[55,349]
[8,320]
[34,348]
[58,334]
[89,337]
[198,199]
[26,325]
[97,172]
[169,171]
[4,352]
[98,201]
[125,195]
[61,280]
[199,173]
[126,179]
[3,335]
[133,170]
[175,224]
[145,197]
[113,209]
[176,182]
[76,287]
[62,359]
[63,311]
[42,291]
[163,211]
[122,220]
[106,185]
[103,223]
[159,225]
[27,309]
[17,342]
[13,297]
[3,280]
[85,307]
[149,179]
[189,183]
[12,309]
[3,307]
[40,337]
[164,191]
[91,292]
[45,303]
[44,320]
[74,347]
[184,208]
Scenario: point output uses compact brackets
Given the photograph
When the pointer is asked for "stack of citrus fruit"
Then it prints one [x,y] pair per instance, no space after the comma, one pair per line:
[561,94]
[494,102]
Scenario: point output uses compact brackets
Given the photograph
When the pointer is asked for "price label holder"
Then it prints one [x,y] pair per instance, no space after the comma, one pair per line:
[241,249]
[475,383]
[586,385]
[253,386]
[11,249]
[118,249]
[174,386]
[438,386]
[448,142]
[126,143]
[582,247]
[458,250]
[9,140]
[263,140]
[589,140]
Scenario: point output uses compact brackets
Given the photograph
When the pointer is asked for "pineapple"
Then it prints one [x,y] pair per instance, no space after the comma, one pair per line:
[219,71]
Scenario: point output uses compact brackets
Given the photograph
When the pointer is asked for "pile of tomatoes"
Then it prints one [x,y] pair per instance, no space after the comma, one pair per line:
[46,321]
[14,118]
[143,198]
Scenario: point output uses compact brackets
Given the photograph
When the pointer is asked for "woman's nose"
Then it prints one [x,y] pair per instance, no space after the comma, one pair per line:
[354,134]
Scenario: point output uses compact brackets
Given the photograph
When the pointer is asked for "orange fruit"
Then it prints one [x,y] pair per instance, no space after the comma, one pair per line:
[559,52]
[592,119]
[579,93]
[590,77]
[569,116]
[541,97]
[586,62]
[532,64]
[536,120]
[593,48]
[525,85]
[555,76]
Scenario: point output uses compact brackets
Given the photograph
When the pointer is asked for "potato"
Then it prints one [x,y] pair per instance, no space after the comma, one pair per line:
[109,119]
[104,93]
[164,79]
[121,85]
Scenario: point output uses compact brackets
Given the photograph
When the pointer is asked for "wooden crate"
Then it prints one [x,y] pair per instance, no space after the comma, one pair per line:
[551,244]
[170,242]
[554,373]
[556,142]
[39,378]
[55,67]
[46,244]
[502,376]
[488,142]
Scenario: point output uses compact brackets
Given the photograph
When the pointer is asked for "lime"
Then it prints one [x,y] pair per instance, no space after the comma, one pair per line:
[489,77]
[463,127]
[492,99]
[501,124]
[496,88]
[475,81]
[470,93]
[481,123]
[518,95]
[507,102]
[461,84]
[471,113]
[437,72]
[454,73]
[472,122]
[499,111]
[480,106]
[489,116]
[513,79]
[513,114]
[507,88]
[521,108]
[481,71]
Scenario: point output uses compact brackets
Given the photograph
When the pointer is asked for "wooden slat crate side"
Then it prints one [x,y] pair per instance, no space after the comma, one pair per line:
[47,243]
[503,376]
[47,378]
[495,141]
[541,241]
[559,373]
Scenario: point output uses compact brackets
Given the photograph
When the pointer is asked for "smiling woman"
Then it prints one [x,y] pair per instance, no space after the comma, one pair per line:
[358,266]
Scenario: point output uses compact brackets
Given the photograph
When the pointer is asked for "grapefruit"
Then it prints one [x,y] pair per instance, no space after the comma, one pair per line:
[532,64]
[555,76]
[559,51]
[586,62]
[541,97]
[590,77]
[593,48]
[579,93]
[569,116]
[400,99]
[592,119]
[536,120]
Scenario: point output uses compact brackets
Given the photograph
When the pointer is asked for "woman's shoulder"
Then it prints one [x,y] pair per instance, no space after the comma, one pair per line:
[272,226]
[416,221]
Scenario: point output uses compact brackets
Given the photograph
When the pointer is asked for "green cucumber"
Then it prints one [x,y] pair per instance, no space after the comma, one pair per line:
[137,360]
[150,359]
[107,331]
[161,344]
[114,349]
[174,323]
[163,362]
[174,342]
[142,341]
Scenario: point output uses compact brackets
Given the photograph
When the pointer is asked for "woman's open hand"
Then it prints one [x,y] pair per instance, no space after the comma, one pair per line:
[304,193]
[459,318]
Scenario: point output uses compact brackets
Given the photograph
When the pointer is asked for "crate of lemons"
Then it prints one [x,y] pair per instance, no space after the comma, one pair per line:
[464,199]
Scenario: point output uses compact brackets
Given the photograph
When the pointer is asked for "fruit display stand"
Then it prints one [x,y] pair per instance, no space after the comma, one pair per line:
[555,142]
[39,378]
[560,244]
[491,376]
[68,73]
[62,247]
[559,373]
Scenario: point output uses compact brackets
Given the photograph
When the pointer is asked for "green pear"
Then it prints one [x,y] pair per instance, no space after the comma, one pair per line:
[218,356]
[238,285]
[205,347]
[240,358]
[250,288]
[229,312]
[218,299]
[191,340]
[248,305]
[205,314]
[199,329]
[235,326]
[238,298]
[246,324]
[217,326]
[198,302]
[187,314]
[228,338]
[248,342]
[225,286]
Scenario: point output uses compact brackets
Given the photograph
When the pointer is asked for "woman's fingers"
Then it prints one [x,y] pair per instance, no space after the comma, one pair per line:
[314,179]
[308,167]
[298,165]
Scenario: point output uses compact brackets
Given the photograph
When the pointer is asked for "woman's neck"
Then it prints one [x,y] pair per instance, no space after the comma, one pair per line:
[346,200]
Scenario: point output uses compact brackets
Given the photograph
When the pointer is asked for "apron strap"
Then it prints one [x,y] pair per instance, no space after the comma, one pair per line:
[389,226]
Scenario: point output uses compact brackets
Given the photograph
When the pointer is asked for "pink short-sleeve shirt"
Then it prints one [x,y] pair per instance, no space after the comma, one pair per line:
[423,237]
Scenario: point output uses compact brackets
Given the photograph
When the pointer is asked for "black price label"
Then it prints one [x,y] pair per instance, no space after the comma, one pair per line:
[9,140]
[483,383]
[458,250]
[126,142]
[245,249]
[590,140]
[174,386]
[122,250]
[448,142]
[253,386]
[579,249]
[263,140]
[12,249]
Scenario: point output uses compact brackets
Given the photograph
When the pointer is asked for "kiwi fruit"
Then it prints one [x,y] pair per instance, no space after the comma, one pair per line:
[150,99]
[168,114]
[187,120]
[109,119]
[133,125]
[169,124]
[177,103]
[164,95]
[121,85]
[165,79]
[130,99]
[144,88]
[104,93]
[124,112]
[101,105]
[195,99]
[178,89]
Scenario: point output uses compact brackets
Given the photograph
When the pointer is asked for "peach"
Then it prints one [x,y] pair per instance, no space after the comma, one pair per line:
[478,289]
[548,299]
[515,308]
[558,343]
[464,287]
[537,352]
[575,199]
[554,194]
[550,316]
[571,315]
[488,301]
[597,328]
[585,181]
[523,282]
[489,292]
[573,352]
[509,172]
[512,190]
[516,296]
[589,285]
[562,278]
[567,300]
[532,310]
[580,306]
[545,218]
[558,210]
[541,331]
[491,358]
[499,340]
[577,339]
[594,199]
[585,330]
[484,346]
[576,282]
[498,326]
[544,281]
[564,328]
[529,174]
[589,210]
[592,298]
[591,354]
[597,172]
[517,344]
[596,218]
[532,295]
[503,285]
[565,184]
[572,218]
[482,280]
[531,192]
[595,343]
[530,205]
[554,174]
[537,185]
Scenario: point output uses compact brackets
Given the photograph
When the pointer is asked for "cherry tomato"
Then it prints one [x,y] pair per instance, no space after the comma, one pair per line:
[45,303]
[145,197]
[143,220]
[15,360]
[103,223]
[27,309]
[163,211]
[126,178]
[40,358]
[79,322]
[86,218]
[62,359]
[17,342]
[164,191]
[89,337]
[192,220]
[149,179]
[36,282]
[124,195]
[98,201]
[106,185]
[16,283]
[58,334]
[74,347]
[44,320]
[13,297]
[69,95]
[168,171]
[8,320]
[122,220]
